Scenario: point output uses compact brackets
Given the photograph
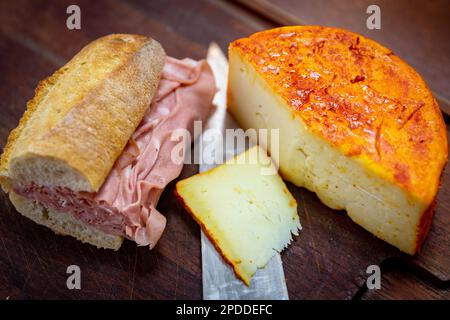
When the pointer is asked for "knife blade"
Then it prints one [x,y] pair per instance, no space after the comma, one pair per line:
[219,280]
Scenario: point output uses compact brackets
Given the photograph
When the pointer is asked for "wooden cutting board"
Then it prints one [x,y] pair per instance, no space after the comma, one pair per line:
[328,259]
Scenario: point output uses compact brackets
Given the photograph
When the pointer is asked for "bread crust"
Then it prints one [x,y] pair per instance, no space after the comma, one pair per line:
[82,116]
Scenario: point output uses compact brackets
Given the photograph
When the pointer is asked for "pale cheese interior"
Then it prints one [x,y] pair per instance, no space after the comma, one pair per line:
[249,215]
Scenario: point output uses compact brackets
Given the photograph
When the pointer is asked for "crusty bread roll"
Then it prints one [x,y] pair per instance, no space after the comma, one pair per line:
[81,117]
[77,125]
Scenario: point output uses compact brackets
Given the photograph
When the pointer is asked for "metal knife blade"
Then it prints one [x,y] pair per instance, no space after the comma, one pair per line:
[219,281]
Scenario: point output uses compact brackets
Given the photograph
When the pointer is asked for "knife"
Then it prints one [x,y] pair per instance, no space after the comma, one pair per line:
[219,280]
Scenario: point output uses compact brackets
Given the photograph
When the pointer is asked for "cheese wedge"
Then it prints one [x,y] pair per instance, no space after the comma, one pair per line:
[245,209]
[358,126]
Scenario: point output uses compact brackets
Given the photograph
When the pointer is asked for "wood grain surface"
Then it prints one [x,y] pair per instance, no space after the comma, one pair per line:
[328,260]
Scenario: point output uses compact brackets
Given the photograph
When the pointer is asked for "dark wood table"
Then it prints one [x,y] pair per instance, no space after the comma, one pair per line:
[328,260]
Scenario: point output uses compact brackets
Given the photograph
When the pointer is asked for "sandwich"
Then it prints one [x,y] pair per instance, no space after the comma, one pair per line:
[93,151]
[358,126]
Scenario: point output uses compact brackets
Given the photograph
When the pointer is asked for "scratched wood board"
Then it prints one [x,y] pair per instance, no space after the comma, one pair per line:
[328,259]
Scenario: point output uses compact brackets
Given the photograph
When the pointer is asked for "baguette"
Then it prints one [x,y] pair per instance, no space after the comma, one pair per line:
[77,125]
[83,115]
